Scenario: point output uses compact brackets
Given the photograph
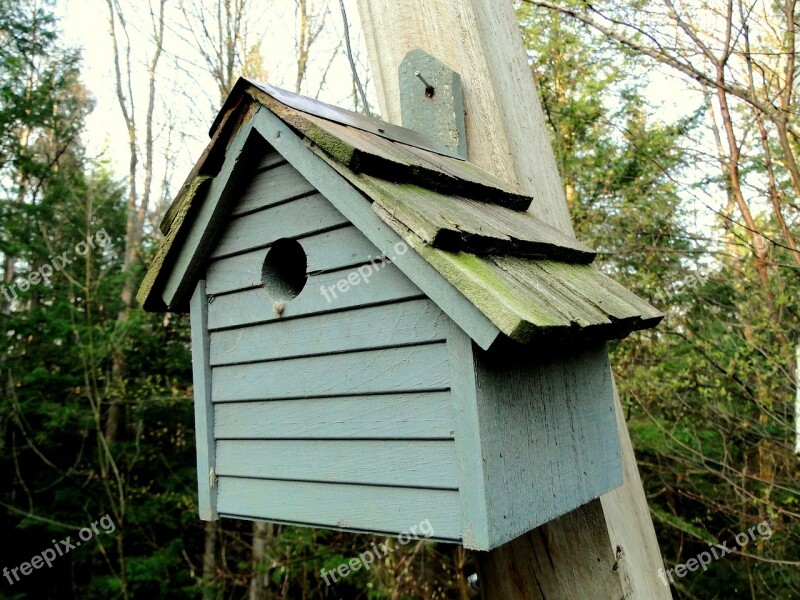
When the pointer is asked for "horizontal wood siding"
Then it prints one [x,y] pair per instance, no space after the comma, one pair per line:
[255,306]
[276,185]
[303,216]
[408,368]
[369,462]
[270,159]
[334,411]
[401,323]
[351,507]
[327,251]
[415,415]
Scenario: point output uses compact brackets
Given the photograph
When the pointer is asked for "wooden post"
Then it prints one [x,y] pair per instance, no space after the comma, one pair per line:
[607,548]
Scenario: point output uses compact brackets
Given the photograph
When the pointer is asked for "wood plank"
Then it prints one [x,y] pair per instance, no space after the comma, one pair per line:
[472,480]
[303,216]
[512,310]
[409,368]
[351,507]
[582,292]
[359,212]
[584,284]
[423,415]
[270,159]
[366,152]
[372,327]
[455,223]
[548,435]
[278,184]
[527,301]
[327,251]
[207,224]
[424,464]
[506,131]
[605,292]
[255,306]
[203,408]
[524,276]
[507,135]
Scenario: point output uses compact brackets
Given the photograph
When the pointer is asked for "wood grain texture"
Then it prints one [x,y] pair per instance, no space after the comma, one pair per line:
[438,112]
[327,251]
[455,223]
[533,567]
[208,221]
[352,204]
[479,39]
[350,507]
[301,216]
[533,300]
[548,435]
[416,415]
[422,464]
[410,368]
[471,469]
[255,306]
[365,152]
[381,326]
[278,184]
[631,532]
[203,408]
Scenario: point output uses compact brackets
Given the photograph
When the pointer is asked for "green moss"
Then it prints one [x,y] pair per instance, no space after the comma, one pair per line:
[510,311]
[147,296]
[332,145]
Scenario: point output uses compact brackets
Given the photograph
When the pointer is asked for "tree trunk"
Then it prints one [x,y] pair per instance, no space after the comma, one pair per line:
[259,580]
[209,560]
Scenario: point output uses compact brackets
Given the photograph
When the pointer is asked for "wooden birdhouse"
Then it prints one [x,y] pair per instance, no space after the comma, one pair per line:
[382,334]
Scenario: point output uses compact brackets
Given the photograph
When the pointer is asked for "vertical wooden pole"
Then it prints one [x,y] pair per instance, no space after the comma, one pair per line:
[607,548]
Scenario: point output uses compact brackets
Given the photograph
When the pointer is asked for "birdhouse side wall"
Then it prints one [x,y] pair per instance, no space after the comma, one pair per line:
[545,432]
[332,408]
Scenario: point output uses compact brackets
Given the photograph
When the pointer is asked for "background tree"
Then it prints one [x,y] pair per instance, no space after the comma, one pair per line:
[715,434]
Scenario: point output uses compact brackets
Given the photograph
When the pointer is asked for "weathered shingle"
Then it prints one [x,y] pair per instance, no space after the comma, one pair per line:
[529,279]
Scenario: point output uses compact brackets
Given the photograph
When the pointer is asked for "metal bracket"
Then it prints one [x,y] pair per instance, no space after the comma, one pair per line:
[432,100]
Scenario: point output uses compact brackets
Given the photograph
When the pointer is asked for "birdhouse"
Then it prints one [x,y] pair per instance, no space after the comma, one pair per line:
[382,333]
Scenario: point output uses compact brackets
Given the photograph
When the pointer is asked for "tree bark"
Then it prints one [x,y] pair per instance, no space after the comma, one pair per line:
[209,559]
[258,581]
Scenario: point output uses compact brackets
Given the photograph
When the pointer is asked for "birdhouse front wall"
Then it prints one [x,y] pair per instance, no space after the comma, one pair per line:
[330,391]
[327,369]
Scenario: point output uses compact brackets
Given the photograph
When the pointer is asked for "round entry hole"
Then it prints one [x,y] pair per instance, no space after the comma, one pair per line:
[284,271]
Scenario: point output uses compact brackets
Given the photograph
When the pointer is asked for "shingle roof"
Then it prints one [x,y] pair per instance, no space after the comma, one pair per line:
[529,279]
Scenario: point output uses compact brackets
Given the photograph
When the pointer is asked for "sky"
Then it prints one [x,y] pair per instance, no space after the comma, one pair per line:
[188,99]
[187,96]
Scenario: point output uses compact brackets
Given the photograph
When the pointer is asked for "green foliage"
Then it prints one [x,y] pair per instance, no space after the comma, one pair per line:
[708,394]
